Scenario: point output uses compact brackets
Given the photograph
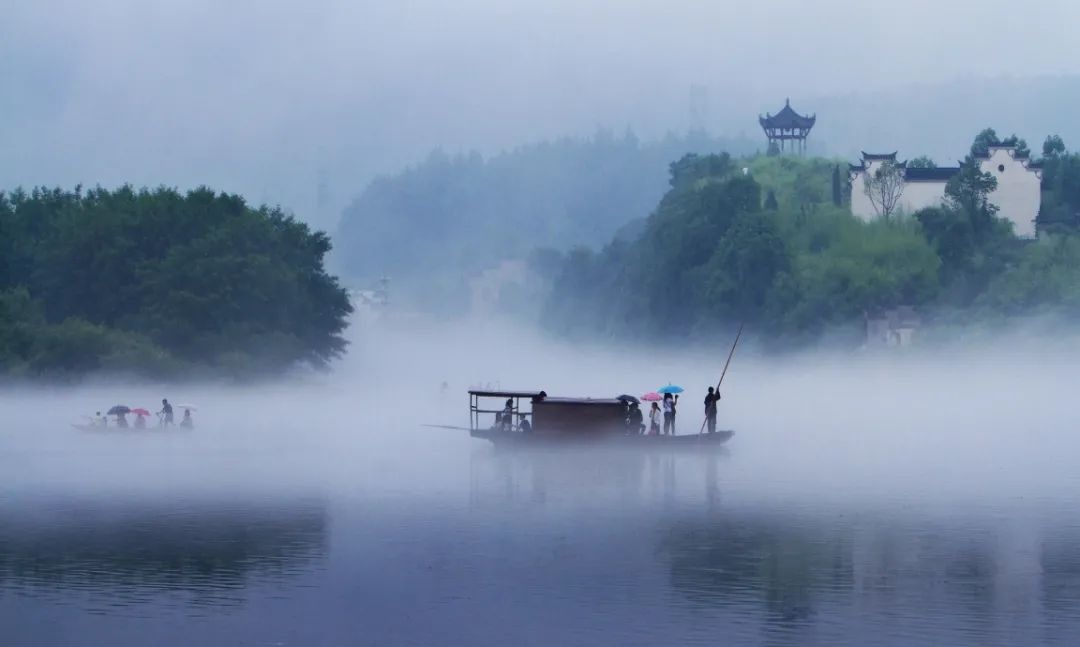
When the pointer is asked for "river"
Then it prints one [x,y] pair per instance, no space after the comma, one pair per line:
[285,523]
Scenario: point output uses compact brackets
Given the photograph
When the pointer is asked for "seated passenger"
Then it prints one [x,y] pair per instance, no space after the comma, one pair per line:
[140,421]
[524,425]
[187,422]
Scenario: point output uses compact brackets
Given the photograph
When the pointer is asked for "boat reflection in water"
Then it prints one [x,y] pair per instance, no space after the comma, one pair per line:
[132,551]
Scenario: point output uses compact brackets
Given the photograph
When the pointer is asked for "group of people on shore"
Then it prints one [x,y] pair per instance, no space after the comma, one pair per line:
[165,418]
[665,411]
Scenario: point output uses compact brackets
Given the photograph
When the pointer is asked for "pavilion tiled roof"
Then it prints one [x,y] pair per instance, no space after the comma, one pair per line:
[787,119]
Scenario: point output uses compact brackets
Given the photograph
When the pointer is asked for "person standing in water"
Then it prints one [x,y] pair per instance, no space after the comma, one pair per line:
[166,412]
[710,409]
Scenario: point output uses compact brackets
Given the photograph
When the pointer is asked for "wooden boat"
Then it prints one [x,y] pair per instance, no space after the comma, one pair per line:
[549,420]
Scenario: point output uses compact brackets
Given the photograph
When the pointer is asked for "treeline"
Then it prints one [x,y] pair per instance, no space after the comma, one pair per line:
[443,220]
[771,241]
[161,283]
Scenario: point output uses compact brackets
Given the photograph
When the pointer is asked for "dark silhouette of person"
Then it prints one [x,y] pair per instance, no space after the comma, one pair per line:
[166,412]
[710,409]
[635,420]
[524,425]
[506,418]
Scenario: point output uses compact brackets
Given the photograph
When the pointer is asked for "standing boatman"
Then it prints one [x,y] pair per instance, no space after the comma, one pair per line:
[710,409]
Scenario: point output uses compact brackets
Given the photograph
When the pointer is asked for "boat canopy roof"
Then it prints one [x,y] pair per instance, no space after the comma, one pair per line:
[504,394]
[583,401]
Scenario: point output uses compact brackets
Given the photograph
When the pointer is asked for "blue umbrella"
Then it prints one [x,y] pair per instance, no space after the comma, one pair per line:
[670,388]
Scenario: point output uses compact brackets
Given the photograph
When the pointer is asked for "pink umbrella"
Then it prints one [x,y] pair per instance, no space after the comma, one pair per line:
[652,397]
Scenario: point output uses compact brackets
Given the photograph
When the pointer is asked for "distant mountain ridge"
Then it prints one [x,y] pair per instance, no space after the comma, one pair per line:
[458,215]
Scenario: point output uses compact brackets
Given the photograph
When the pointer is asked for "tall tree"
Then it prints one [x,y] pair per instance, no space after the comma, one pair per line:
[1053,147]
[983,141]
[884,187]
[970,190]
[837,195]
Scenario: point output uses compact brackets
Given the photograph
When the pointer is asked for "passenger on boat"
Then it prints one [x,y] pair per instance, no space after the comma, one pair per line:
[634,424]
[710,409]
[187,422]
[166,412]
[140,421]
[524,425]
[654,420]
[505,420]
[121,421]
[100,420]
[669,413]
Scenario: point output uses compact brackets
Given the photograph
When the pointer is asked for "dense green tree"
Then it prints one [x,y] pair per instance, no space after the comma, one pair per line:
[199,278]
[983,141]
[837,194]
[921,161]
[1054,146]
[970,190]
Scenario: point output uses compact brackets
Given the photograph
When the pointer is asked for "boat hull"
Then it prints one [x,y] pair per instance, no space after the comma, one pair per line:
[518,439]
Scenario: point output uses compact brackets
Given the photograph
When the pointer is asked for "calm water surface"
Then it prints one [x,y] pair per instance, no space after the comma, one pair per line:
[288,537]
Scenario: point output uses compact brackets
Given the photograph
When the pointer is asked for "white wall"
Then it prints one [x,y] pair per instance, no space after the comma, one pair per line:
[921,194]
[1018,194]
[916,195]
[1019,190]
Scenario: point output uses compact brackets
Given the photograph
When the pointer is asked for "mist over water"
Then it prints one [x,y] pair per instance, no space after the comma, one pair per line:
[892,499]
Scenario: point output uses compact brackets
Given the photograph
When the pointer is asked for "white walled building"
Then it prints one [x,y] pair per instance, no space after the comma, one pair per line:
[1018,194]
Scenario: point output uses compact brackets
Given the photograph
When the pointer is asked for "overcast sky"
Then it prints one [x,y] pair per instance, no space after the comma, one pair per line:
[257,96]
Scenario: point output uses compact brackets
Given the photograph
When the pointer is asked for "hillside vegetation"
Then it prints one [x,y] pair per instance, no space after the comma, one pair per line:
[771,242]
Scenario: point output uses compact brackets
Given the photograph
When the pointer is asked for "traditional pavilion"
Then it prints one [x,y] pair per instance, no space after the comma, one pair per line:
[787,126]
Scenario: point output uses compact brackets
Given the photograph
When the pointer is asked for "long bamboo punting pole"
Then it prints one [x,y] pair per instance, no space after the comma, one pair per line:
[724,372]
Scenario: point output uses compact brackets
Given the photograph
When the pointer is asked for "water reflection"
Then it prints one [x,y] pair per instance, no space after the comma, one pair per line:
[988,580]
[566,474]
[791,571]
[209,551]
